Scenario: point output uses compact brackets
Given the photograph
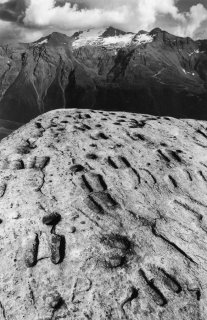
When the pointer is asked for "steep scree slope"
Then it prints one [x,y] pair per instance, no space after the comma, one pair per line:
[155,73]
[103,216]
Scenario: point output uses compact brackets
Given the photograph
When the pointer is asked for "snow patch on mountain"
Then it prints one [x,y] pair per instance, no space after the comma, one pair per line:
[194,52]
[118,40]
[143,38]
[189,72]
[39,43]
[94,37]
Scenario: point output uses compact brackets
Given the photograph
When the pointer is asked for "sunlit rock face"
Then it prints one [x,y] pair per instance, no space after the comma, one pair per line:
[103,216]
[148,72]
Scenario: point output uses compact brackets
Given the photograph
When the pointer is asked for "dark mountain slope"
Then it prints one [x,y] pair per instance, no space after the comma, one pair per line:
[7,127]
[165,76]
[39,84]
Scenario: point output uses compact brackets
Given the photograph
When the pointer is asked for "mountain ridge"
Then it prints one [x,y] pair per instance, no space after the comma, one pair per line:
[148,72]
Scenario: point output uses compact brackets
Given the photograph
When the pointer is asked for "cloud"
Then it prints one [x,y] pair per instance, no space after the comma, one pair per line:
[40,16]
[9,32]
[193,24]
[133,15]
[196,16]
[45,13]
[4,25]
[12,10]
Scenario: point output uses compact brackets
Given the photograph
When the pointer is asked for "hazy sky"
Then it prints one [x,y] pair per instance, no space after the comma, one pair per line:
[28,20]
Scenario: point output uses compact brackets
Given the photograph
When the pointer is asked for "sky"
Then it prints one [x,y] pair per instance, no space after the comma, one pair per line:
[29,20]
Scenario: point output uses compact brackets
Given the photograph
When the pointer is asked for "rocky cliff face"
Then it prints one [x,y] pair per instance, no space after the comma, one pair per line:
[38,79]
[103,216]
[155,73]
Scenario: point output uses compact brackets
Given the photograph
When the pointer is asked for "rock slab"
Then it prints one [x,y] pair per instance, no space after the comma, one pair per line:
[103,216]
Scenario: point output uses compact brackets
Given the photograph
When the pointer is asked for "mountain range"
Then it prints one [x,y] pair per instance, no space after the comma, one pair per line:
[148,72]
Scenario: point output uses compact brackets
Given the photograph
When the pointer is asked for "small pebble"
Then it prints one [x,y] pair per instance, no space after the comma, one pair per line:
[77,168]
[54,301]
[51,219]
[14,215]
[72,229]
[16,165]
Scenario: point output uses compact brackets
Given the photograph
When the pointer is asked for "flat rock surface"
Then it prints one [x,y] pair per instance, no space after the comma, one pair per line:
[104,216]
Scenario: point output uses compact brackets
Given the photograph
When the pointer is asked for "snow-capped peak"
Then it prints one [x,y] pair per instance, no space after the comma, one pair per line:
[100,37]
[110,38]
[42,42]
[89,35]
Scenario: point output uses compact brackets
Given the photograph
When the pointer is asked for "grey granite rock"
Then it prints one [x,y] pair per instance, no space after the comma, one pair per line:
[103,216]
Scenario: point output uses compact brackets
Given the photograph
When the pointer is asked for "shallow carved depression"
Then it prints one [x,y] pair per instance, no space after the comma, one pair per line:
[103,221]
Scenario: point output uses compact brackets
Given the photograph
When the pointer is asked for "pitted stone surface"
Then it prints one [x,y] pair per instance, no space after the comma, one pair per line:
[104,216]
